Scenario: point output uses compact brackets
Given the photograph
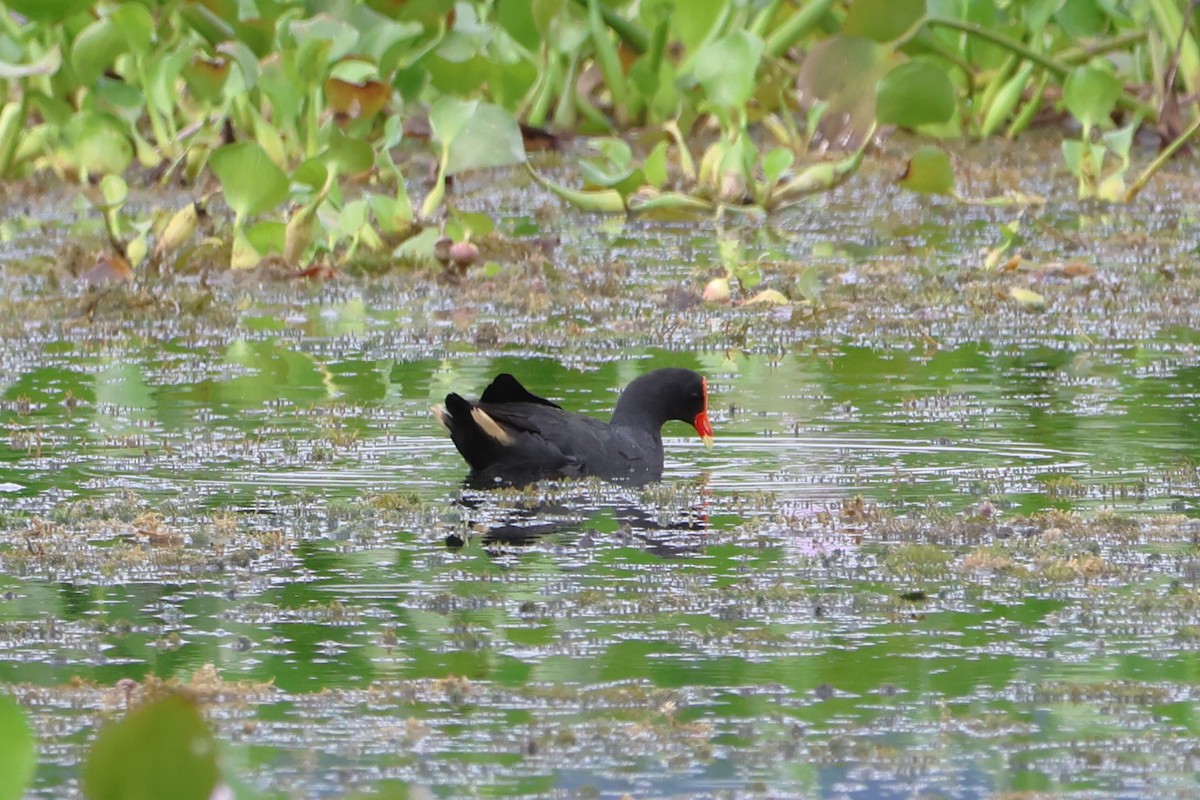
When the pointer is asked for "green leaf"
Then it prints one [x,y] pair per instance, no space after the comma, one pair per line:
[449,116]
[209,25]
[882,20]
[726,68]
[490,138]
[99,143]
[347,156]
[517,17]
[18,750]
[114,190]
[267,236]
[48,10]
[136,25]
[655,168]
[915,93]
[159,750]
[777,162]
[250,179]
[478,225]
[929,172]
[245,59]
[46,64]
[1090,95]
[95,49]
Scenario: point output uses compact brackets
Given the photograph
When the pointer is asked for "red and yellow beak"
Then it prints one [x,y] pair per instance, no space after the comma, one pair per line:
[703,426]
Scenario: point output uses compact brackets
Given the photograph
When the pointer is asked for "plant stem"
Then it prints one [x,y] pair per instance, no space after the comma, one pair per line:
[1158,162]
[636,38]
[796,26]
[1054,67]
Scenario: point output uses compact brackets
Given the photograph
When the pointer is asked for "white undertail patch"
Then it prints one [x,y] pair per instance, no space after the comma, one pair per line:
[439,413]
[490,426]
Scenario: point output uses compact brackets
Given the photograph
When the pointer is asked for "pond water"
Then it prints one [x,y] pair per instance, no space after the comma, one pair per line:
[944,554]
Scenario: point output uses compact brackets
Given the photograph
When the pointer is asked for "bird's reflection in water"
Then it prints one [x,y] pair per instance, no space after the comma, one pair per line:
[667,532]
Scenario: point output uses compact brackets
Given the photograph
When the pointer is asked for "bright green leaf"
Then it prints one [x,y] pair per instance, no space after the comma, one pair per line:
[929,171]
[99,143]
[490,138]
[449,116]
[48,10]
[250,179]
[95,49]
[478,225]
[882,20]
[18,750]
[1090,94]
[726,68]
[114,190]
[347,156]
[655,168]
[47,64]
[159,750]
[777,162]
[267,236]
[915,93]
[136,24]
[1027,298]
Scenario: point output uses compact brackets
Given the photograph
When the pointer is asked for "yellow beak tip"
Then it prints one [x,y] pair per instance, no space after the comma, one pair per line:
[708,441]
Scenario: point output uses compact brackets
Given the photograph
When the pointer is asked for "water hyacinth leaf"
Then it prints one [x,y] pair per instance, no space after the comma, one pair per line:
[18,750]
[206,78]
[777,162]
[490,138]
[136,24]
[95,49]
[882,20]
[839,75]
[915,93]
[99,144]
[48,10]
[476,224]
[655,168]
[769,297]
[256,35]
[311,173]
[319,40]
[161,749]
[355,101]
[1090,94]
[725,68]
[205,22]
[449,116]
[114,190]
[1027,298]
[267,236]
[689,28]
[929,171]
[245,59]
[251,181]
[517,18]
[427,12]
[46,64]
[347,156]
